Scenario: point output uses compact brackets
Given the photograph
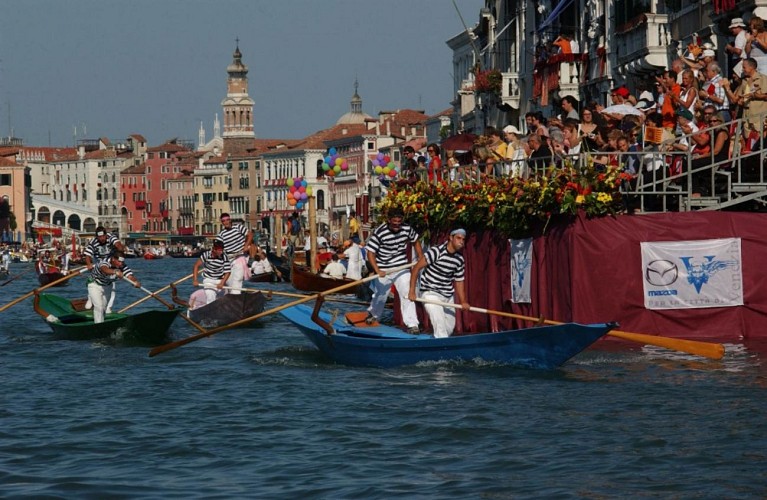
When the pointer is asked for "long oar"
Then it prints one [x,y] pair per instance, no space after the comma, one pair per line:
[75,272]
[144,299]
[167,347]
[167,304]
[294,295]
[706,349]
[18,276]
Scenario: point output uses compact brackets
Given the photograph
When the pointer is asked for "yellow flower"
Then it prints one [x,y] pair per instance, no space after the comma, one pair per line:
[580,199]
[604,197]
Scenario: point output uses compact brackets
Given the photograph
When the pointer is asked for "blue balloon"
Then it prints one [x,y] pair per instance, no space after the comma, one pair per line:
[332,151]
[328,159]
[304,183]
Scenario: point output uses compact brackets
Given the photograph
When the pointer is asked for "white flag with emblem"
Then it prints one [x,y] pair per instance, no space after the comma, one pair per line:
[521,270]
[692,274]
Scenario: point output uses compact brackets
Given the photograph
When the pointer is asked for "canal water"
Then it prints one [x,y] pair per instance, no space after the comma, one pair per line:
[259,413]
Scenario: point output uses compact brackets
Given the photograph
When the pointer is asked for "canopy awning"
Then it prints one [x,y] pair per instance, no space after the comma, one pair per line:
[562,5]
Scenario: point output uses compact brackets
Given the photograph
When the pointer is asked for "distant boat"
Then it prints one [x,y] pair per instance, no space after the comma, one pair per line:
[302,278]
[544,347]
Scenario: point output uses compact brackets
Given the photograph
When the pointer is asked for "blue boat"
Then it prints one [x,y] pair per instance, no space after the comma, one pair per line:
[543,347]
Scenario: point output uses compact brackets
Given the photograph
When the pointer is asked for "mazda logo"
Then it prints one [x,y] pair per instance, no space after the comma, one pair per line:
[661,273]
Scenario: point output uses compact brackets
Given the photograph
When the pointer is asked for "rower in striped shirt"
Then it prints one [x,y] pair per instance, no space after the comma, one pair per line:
[216,269]
[103,275]
[387,248]
[102,245]
[443,270]
[237,243]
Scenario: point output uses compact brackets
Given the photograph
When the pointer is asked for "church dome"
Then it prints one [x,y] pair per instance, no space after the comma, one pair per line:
[356,115]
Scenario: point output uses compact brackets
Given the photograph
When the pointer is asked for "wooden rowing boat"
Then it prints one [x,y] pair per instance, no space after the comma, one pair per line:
[226,309]
[302,278]
[50,277]
[264,278]
[70,321]
[544,347]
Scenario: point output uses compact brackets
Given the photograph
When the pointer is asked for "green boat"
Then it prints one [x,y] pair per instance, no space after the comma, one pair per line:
[70,321]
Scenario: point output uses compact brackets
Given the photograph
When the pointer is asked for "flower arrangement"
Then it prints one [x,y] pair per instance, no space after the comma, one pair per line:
[489,80]
[510,206]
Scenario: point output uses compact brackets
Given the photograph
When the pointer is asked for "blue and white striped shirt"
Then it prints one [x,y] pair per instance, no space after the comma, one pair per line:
[234,240]
[391,248]
[97,251]
[441,270]
[215,267]
[107,279]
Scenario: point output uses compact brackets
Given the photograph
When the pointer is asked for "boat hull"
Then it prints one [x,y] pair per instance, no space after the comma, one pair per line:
[303,279]
[228,309]
[146,328]
[45,278]
[264,278]
[545,347]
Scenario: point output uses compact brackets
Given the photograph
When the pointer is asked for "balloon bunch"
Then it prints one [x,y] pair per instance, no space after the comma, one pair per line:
[383,166]
[299,192]
[334,164]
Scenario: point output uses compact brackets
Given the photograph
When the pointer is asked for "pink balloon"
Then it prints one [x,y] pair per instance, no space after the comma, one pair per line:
[297,195]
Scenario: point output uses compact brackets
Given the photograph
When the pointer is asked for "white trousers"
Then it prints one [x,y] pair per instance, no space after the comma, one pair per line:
[211,292]
[381,288]
[97,294]
[442,318]
[238,275]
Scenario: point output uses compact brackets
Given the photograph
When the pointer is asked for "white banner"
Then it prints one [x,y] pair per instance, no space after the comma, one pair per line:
[521,270]
[692,274]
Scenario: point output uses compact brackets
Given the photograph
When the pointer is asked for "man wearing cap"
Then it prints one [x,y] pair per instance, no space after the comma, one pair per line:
[737,49]
[237,242]
[516,159]
[103,275]
[216,269]
[443,273]
[100,246]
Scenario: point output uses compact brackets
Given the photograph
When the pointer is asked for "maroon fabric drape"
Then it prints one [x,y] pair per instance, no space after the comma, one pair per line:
[590,271]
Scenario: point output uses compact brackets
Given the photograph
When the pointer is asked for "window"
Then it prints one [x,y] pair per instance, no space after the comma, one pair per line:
[5,180]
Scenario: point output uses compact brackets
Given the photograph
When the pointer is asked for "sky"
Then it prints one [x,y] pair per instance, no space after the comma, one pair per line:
[158,67]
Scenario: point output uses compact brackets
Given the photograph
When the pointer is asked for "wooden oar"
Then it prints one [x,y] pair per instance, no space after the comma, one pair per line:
[72,274]
[167,347]
[144,299]
[168,305]
[295,295]
[18,276]
[706,349]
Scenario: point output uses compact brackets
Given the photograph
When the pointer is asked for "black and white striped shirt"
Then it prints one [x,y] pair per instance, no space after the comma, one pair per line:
[391,248]
[107,279]
[215,268]
[441,270]
[234,240]
[97,251]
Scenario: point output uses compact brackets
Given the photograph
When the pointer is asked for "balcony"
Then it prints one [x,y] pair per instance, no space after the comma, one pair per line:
[561,72]
[510,94]
[140,204]
[643,43]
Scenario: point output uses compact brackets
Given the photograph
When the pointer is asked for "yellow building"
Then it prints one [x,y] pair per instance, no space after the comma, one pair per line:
[212,183]
[13,198]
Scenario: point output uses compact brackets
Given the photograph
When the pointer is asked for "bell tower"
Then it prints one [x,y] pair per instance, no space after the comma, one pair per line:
[237,106]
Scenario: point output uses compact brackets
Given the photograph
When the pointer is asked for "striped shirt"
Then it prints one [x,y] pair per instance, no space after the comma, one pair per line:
[215,268]
[97,250]
[391,248]
[107,279]
[234,240]
[441,270]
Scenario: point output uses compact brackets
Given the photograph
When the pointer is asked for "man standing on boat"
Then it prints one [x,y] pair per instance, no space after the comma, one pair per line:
[103,275]
[443,269]
[237,241]
[387,248]
[354,260]
[216,269]
[100,246]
